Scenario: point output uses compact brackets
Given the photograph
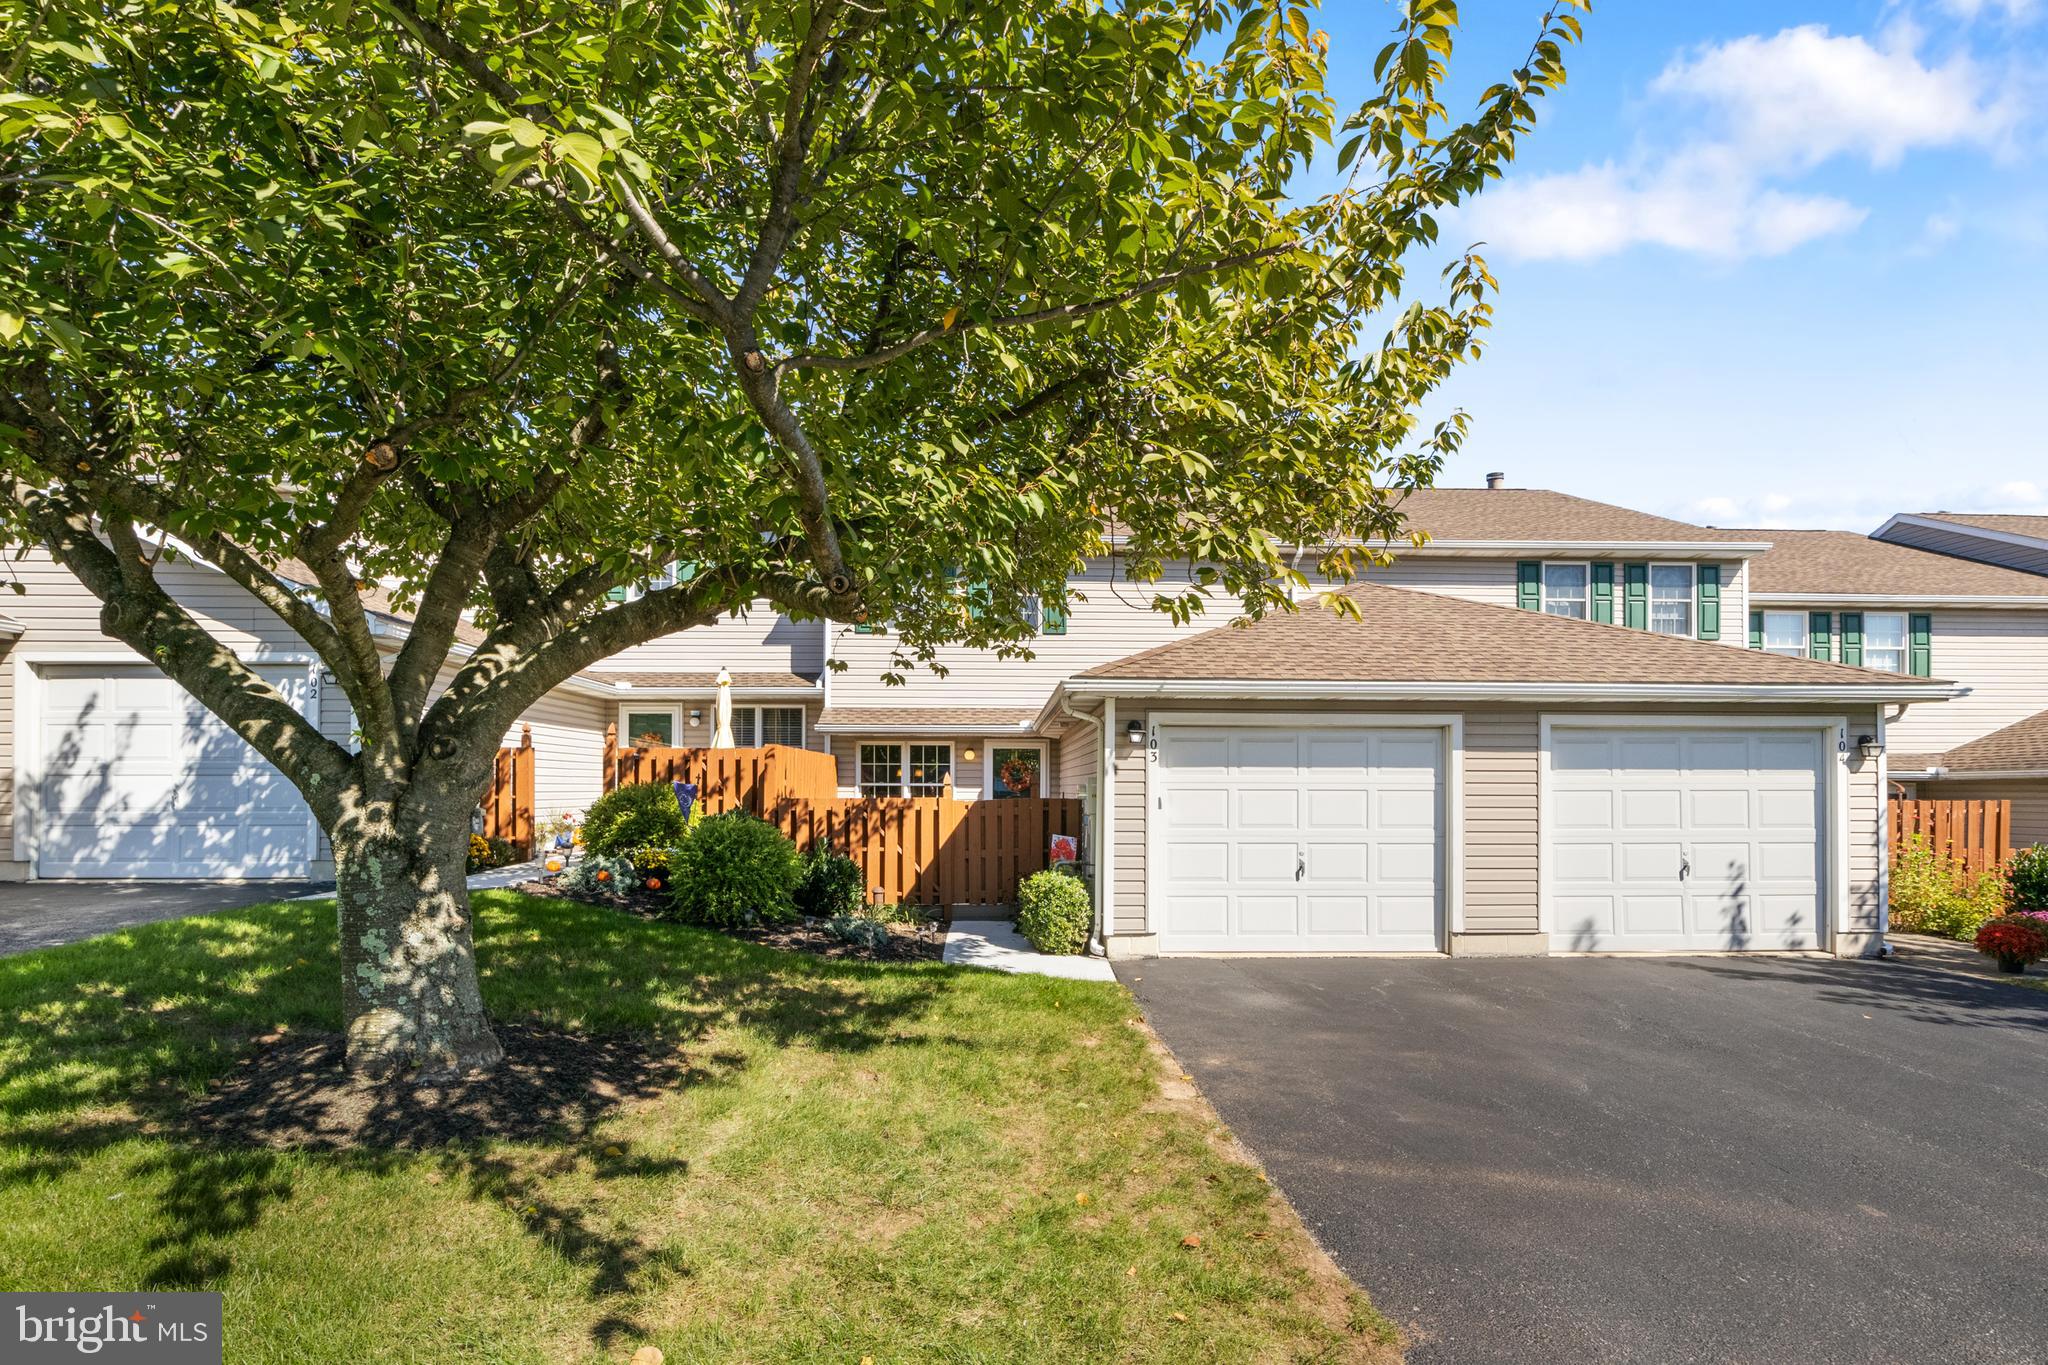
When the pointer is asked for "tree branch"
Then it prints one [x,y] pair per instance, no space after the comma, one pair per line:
[1069,312]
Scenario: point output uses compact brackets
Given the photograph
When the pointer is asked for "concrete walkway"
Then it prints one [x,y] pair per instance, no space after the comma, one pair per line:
[996,943]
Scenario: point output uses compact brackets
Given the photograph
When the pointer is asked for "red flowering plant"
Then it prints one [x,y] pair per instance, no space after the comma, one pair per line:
[2015,940]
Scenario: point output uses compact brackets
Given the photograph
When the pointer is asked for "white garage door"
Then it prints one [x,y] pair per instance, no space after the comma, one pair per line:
[140,780]
[1685,839]
[1315,840]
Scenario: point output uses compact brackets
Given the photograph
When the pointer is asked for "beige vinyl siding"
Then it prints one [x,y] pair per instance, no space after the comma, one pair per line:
[1501,834]
[60,616]
[2029,797]
[2001,656]
[568,751]
[1735,603]
[1867,841]
[1480,580]
[1965,544]
[1127,905]
[1078,751]
[760,641]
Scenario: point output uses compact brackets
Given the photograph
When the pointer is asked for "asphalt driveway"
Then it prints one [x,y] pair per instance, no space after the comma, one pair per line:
[1669,1159]
[44,914]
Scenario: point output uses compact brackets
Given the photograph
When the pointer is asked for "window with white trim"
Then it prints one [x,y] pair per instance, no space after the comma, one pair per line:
[1885,641]
[1671,599]
[930,770]
[783,725]
[1785,633]
[881,770]
[1568,590]
[651,729]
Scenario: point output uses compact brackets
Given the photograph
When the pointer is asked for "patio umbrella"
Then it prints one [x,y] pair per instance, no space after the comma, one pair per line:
[721,731]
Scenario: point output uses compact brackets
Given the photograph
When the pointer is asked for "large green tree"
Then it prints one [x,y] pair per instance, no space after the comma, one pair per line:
[839,303]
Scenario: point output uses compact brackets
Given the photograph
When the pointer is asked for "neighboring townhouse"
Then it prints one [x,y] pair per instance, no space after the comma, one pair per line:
[1900,608]
[1546,733]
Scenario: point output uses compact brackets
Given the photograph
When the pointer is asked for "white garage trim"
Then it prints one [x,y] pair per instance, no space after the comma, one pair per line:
[1835,783]
[1451,870]
[28,727]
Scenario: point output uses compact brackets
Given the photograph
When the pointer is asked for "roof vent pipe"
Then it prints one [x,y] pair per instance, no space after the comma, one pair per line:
[1496,480]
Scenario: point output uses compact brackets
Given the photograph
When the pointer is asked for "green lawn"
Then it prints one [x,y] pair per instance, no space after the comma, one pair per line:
[865,1161]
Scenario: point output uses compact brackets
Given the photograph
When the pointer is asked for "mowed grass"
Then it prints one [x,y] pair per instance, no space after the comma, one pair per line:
[902,1162]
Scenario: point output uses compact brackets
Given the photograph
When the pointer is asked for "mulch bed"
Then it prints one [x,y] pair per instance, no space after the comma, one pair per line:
[907,942]
[295,1092]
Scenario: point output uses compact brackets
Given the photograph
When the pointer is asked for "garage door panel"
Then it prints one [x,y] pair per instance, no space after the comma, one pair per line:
[1262,808]
[1720,809]
[1339,915]
[1266,862]
[1337,808]
[1716,841]
[1583,809]
[1653,808]
[1338,862]
[139,780]
[1275,916]
[1406,810]
[1201,808]
[1323,846]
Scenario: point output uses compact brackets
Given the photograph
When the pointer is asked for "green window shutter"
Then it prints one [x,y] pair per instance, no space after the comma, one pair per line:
[1852,638]
[1052,619]
[1920,656]
[1529,585]
[1820,639]
[1603,593]
[1756,630]
[1708,590]
[1635,600]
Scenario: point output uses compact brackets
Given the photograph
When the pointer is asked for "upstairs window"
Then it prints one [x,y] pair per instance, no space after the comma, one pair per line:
[1785,633]
[1884,641]
[1671,599]
[1567,590]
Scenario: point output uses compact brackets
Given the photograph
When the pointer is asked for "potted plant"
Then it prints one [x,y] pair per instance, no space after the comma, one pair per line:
[2015,940]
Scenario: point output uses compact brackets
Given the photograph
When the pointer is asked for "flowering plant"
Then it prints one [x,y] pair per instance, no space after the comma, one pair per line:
[2014,939]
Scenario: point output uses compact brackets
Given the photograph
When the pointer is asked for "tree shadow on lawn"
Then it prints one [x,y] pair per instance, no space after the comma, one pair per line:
[106,1041]
[1925,994]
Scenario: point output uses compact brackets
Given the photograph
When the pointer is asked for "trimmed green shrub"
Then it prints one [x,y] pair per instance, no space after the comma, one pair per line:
[1932,893]
[2027,874]
[1053,912]
[830,884]
[735,869]
[637,815]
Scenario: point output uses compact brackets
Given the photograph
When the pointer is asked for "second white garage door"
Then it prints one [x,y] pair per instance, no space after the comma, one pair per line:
[1272,839]
[140,780]
[1663,840]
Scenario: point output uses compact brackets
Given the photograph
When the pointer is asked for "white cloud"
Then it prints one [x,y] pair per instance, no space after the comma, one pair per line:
[1766,110]
[1852,509]
[2014,11]
[1805,95]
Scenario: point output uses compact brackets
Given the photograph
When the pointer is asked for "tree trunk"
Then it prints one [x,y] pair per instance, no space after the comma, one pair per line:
[408,960]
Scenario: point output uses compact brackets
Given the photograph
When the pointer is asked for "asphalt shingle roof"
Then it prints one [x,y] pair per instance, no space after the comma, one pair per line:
[1420,637]
[2010,522]
[2019,746]
[1522,515]
[697,680]
[887,717]
[1845,562]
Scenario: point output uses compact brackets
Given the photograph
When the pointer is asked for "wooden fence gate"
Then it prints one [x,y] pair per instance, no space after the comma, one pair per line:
[508,805]
[1978,834]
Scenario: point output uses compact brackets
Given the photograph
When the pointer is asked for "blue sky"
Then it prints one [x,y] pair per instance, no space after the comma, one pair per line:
[1771,264]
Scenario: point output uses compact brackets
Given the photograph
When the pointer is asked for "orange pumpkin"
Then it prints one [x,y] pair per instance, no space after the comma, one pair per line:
[603,875]
[654,883]
[554,864]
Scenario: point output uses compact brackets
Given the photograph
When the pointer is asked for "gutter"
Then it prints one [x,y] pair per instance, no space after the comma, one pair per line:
[1290,690]
[1879,599]
[1961,528]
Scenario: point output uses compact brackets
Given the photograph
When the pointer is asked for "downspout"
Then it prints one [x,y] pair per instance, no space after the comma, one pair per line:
[1105,789]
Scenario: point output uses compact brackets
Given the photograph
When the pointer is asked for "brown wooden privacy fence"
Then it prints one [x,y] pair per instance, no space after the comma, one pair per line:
[508,805]
[934,850]
[1977,834]
[755,779]
[928,850]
